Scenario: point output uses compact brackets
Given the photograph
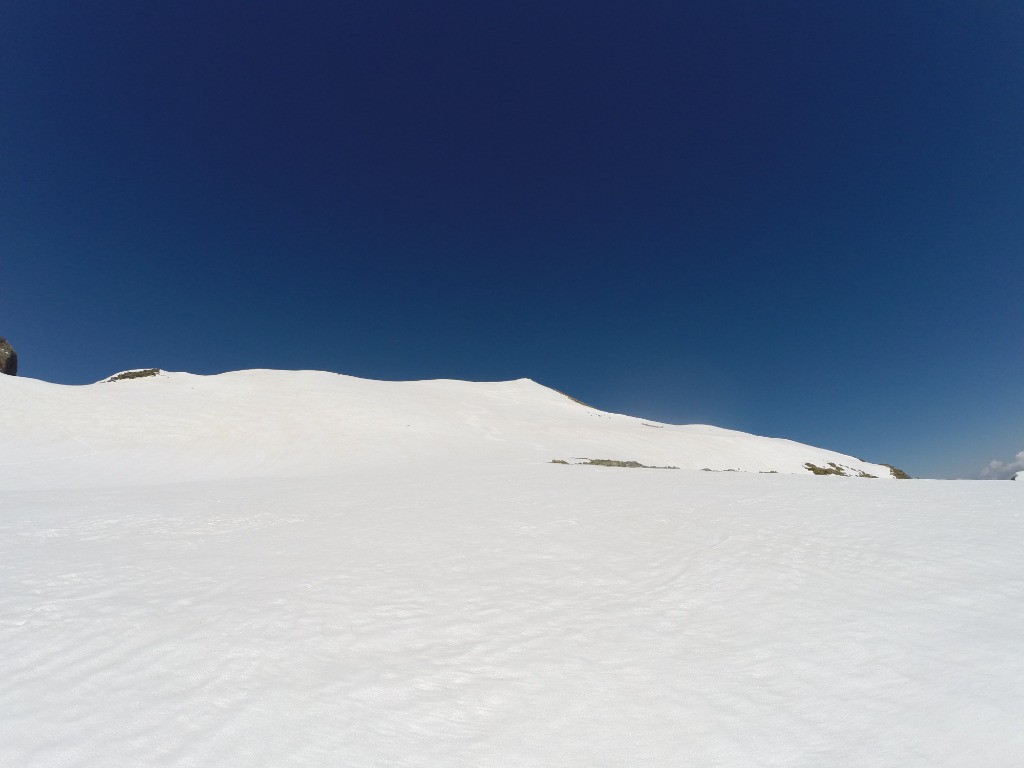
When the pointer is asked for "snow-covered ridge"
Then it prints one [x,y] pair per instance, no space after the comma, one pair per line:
[180,426]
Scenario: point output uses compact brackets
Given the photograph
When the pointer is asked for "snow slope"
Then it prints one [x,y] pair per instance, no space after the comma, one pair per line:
[298,423]
[322,585]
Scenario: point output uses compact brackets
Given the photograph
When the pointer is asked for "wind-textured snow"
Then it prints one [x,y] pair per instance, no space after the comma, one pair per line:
[299,569]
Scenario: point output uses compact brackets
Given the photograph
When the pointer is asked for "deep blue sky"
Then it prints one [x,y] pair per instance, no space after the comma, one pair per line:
[801,219]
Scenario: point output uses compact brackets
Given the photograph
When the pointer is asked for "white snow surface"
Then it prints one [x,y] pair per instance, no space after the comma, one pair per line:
[303,569]
[179,426]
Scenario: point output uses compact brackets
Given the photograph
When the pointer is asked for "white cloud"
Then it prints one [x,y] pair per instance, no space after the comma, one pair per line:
[1003,470]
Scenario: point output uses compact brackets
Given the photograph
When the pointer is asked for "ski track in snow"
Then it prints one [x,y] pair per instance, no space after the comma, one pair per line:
[528,616]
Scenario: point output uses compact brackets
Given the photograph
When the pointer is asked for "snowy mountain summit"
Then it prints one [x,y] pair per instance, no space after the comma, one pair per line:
[150,426]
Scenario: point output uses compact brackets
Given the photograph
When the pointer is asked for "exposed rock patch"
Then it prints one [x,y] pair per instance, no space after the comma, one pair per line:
[837,469]
[896,472]
[611,463]
[8,358]
[142,373]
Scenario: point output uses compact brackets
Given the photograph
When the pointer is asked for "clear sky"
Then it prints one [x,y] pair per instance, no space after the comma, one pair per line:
[799,219]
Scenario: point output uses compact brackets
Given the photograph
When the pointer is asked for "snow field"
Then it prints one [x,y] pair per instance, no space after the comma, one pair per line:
[269,568]
[529,616]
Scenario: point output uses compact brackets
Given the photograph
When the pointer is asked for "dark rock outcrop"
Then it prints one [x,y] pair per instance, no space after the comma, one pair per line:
[139,373]
[898,473]
[8,358]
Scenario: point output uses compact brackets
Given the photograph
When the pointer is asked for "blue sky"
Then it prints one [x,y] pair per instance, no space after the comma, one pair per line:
[798,219]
